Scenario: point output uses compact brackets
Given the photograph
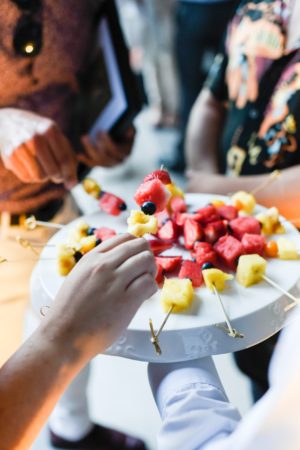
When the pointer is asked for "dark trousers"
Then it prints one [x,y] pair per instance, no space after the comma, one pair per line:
[199,31]
[254,362]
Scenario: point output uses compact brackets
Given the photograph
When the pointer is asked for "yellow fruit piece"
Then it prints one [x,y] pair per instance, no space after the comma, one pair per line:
[270,221]
[65,259]
[79,231]
[250,269]
[287,249]
[244,201]
[174,190]
[217,278]
[87,243]
[91,187]
[217,203]
[140,223]
[178,292]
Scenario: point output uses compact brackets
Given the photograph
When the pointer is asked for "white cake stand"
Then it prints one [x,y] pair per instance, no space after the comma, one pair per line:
[258,312]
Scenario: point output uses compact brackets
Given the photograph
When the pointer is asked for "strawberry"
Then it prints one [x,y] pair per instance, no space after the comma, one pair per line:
[214,230]
[152,191]
[178,205]
[229,249]
[157,246]
[111,204]
[168,263]
[204,253]
[227,212]
[242,225]
[253,243]
[192,232]
[104,233]
[169,231]
[160,274]
[191,270]
[161,175]
[162,217]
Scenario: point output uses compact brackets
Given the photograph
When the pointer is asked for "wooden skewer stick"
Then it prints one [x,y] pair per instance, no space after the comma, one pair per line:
[231,331]
[279,288]
[28,244]
[273,176]
[31,223]
[154,337]
[5,260]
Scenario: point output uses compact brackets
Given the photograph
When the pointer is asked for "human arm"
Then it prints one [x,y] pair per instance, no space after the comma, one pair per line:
[284,192]
[34,148]
[204,132]
[94,305]
[192,403]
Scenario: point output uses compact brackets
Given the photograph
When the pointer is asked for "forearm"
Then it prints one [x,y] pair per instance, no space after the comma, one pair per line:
[193,405]
[204,132]
[284,192]
[31,382]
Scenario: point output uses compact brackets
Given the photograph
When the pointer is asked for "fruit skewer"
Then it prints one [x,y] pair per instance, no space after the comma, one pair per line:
[232,332]
[272,177]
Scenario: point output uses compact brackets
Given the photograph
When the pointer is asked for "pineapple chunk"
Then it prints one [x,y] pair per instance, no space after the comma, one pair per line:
[87,243]
[244,201]
[174,190]
[91,187]
[65,260]
[250,269]
[79,231]
[177,292]
[140,223]
[217,203]
[270,221]
[215,277]
[287,249]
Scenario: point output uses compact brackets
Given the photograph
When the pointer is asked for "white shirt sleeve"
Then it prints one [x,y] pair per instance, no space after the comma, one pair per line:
[196,414]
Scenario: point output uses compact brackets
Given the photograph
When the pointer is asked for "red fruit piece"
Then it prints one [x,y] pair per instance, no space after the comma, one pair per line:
[161,175]
[207,214]
[104,233]
[178,205]
[160,274]
[204,252]
[253,243]
[157,246]
[162,217]
[227,212]
[192,232]
[214,230]
[111,204]
[168,232]
[168,263]
[191,270]
[152,191]
[229,249]
[243,225]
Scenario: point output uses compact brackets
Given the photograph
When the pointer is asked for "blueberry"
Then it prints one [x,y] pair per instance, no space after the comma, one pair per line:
[148,208]
[78,256]
[101,193]
[98,241]
[90,231]
[207,265]
[122,207]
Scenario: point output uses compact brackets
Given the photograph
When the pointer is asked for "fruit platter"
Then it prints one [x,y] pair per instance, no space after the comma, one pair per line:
[227,268]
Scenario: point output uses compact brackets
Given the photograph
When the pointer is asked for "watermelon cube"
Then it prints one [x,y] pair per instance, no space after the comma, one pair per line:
[104,233]
[214,230]
[168,263]
[204,253]
[207,214]
[227,212]
[191,270]
[229,249]
[152,191]
[192,232]
[244,224]
[111,204]
[253,243]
